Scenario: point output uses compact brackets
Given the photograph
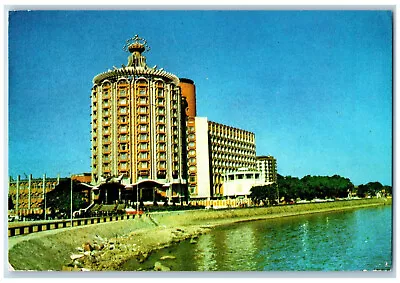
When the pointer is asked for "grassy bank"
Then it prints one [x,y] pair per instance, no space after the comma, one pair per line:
[107,246]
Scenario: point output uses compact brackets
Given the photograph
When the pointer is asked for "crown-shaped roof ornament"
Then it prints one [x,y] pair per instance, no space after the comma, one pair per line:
[136,43]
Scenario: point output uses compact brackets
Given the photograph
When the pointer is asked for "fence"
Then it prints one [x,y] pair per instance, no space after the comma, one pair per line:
[28,228]
[223,203]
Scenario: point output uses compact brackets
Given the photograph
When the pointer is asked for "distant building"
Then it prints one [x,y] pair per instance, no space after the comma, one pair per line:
[213,150]
[83,178]
[231,149]
[28,194]
[268,168]
[239,183]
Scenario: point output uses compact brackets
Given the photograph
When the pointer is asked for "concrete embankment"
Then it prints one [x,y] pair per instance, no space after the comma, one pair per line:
[107,246]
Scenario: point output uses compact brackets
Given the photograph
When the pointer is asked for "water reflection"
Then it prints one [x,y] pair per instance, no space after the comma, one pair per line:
[341,241]
[205,253]
[226,249]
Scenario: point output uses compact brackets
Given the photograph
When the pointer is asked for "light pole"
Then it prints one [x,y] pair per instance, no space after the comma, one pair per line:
[137,198]
[44,196]
[71,200]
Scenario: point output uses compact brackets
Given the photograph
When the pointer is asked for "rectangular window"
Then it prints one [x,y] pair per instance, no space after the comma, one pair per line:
[143,137]
[143,165]
[142,109]
[160,92]
[123,129]
[143,155]
[122,101]
[143,128]
[161,146]
[143,100]
[161,128]
[123,156]
[142,91]
[143,146]
[161,119]
[122,91]
[161,110]
[161,137]
[122,110]
[143,118]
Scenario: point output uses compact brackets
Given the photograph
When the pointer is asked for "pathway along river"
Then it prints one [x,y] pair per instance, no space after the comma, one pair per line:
[354,240]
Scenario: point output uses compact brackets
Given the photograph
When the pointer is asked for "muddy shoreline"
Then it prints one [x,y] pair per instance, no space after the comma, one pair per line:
[107,246]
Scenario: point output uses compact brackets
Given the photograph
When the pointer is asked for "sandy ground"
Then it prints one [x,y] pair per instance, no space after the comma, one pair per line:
[106,246]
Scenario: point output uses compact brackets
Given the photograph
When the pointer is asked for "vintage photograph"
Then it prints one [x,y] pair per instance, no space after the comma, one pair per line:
[146,141]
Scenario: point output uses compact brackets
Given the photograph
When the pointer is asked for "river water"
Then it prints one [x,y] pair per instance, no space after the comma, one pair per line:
[354,240]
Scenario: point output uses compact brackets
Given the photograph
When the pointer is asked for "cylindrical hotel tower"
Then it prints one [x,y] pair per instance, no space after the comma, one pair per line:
[137,127]
[189,92]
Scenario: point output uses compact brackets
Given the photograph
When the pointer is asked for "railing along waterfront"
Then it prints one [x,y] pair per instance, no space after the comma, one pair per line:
[21,228]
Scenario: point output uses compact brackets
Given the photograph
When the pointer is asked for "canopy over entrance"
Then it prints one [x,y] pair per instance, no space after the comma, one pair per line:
[148,183]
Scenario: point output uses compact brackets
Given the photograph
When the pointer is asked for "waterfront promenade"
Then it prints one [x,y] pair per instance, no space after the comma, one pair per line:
[106,246]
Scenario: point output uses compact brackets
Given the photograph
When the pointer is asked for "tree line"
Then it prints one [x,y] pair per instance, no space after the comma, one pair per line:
[288,188]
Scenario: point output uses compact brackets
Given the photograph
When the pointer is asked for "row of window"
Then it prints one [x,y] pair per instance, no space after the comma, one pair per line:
[232,143]
[228,152]
[244,176]
[227,132]
[233,154]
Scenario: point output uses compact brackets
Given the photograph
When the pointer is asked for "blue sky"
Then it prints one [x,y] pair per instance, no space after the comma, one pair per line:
[314,86]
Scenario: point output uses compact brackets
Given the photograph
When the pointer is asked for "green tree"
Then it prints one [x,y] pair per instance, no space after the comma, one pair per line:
[59,199]
[289,187]
[258,194]
[388,190]
[272,193]
[266,194]
[369,189]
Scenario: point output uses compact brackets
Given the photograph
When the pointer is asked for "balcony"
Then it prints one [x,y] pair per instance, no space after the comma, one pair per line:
[143,172]
[141,102]
[141,93]
[122,122]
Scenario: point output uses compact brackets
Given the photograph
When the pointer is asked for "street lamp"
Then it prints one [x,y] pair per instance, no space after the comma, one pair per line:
[71,200]
[137,198]
[44,195]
